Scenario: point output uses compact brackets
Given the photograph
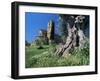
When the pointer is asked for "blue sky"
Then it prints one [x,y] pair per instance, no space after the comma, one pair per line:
[36,21]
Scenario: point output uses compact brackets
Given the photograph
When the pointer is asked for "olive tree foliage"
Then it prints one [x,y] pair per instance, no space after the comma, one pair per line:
[63,25]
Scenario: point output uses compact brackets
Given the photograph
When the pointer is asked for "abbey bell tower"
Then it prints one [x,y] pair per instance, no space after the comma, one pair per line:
[50,31]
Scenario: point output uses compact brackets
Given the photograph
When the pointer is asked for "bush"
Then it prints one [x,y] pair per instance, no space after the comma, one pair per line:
[82,55]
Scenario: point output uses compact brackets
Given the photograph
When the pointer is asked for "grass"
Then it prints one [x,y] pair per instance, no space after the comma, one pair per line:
[46,58]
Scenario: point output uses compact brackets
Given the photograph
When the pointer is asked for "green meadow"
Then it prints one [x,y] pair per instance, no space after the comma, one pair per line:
[46,57]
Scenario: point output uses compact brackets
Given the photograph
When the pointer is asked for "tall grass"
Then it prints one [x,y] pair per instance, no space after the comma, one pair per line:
[46,58]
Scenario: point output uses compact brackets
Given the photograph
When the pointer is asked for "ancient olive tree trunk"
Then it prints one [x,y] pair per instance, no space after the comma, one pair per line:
[75,38]
[71,42]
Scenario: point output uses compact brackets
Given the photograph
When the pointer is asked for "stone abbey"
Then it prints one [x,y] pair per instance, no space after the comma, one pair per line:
[46,35]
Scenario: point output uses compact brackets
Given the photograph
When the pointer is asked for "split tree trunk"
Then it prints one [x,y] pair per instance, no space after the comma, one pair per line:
[75,39]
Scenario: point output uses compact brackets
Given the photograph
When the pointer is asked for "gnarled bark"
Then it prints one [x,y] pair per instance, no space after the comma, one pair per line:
[75,38]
